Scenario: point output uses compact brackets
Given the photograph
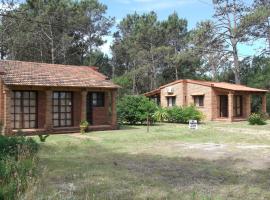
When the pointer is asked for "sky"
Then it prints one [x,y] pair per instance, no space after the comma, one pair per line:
[192,10]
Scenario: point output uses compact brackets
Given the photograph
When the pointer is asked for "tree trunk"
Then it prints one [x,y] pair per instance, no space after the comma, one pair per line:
[236,63]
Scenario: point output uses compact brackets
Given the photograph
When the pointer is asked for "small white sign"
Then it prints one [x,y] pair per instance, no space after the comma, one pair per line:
[193,124]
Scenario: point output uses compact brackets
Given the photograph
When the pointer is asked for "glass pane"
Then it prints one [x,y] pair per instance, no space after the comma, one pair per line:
[17,109]
[33,95]
[26,95]
[94,95]
[26,109]
[32,124]
[68,102]
[17,102]
[68,115]
[32,102]
[68,122]
[17,124]
[33,117]
[12,95]
[63,109]
[12,110]
[17,94]
[68,108]
[55,123]
[17,117]
[26,117]
[32,109]
[63,123]
[63,116]
[63,102]
[55,109]
[26,102]
[68,95]
[55,115]
[94,102]
[26,124]
[55,95]
[62,95]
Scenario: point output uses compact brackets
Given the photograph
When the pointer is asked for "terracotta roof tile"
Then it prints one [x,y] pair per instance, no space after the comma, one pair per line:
[43,74]
[221,85]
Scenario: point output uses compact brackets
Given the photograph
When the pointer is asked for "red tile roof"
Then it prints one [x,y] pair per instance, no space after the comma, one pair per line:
[54,75]
[221,85]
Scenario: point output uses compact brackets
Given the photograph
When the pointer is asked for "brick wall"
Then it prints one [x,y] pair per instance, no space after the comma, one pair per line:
[41,109]
[178,91]
[77,105]
[195,89]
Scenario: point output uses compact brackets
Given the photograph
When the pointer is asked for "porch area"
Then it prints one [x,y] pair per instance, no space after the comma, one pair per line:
[55,110]
[235,106]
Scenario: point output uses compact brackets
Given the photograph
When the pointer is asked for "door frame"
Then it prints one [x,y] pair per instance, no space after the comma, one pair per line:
[223,106]
[89,107]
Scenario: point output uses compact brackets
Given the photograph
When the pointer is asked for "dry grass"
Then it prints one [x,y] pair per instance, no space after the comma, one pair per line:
[170,162]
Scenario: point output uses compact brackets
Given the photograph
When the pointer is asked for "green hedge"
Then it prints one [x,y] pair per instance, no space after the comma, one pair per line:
[135,109]
[257,119]
[17,165]
[179,114]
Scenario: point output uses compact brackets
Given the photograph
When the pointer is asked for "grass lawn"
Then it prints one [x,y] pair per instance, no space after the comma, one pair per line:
[217,161]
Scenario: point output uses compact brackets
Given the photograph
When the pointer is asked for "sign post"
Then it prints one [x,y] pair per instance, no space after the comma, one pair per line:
[193,124]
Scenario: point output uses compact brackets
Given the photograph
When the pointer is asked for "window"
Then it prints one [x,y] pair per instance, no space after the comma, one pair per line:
[24,109]
[62,109]
[237,105]
[98,99]
[170,101]
[198,100]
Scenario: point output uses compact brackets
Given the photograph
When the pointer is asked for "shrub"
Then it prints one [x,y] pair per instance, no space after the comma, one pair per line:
[135,109]
[184,114]
[256,119]
[83,126]
[160,115]
[17,165]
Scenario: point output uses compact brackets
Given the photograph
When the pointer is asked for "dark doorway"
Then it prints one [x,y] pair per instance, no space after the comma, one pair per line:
[238,106]
[223,106]
[89,107]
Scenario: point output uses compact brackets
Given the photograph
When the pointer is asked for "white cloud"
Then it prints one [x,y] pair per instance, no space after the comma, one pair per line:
[105,48]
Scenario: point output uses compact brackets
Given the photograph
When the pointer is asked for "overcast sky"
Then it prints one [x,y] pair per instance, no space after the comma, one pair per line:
[192,10]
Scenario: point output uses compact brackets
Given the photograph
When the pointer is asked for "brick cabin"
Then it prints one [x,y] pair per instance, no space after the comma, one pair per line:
[39,98]
[217,100]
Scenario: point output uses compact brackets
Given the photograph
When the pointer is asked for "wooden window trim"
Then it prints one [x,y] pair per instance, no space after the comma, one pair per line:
[200,99]
[100,99]
[59,112]
[22,107]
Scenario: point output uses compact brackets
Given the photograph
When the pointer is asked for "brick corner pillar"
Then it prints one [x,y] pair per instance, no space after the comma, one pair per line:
[248,105]
[113,109]
[264,103]
[83,106]
[230,106]
[7,112]
[48,114]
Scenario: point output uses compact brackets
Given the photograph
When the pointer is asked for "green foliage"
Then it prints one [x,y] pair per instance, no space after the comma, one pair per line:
[43,138]
[83,126]
[257,119]
[161,115]
[17,165]
[183,114]
[135,109]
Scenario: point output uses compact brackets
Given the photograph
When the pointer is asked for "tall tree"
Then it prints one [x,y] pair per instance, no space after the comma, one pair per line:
[55,31]
[258,22]
[210,48]
[228,16]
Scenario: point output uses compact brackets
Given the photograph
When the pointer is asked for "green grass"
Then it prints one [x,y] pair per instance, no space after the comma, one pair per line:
[133,164]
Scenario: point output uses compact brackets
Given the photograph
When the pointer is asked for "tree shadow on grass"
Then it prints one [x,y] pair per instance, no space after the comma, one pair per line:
[98,172]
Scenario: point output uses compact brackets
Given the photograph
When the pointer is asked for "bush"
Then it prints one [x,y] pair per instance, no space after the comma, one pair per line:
[161,115]
[135,109]
[178,114]
[17,165]
[257,119]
